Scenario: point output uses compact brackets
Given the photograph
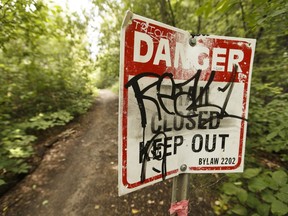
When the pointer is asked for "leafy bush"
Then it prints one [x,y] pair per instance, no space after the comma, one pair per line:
[15,148]
[16,140]
[257,192]
[268,120]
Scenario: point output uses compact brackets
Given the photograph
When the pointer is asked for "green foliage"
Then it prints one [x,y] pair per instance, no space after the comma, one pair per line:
[47,120]
[45,66]
[255,192]
[15,148]
[268,123]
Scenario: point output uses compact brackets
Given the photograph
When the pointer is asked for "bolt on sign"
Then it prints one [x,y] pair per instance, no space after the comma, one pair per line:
[183,102]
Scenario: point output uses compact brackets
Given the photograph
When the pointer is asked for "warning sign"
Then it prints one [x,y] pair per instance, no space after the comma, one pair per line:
[183,102]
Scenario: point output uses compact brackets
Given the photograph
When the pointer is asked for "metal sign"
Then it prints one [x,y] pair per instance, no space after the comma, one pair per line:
[183,102]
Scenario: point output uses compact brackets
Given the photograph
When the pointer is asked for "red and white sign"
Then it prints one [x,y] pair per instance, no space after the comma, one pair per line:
[183,102]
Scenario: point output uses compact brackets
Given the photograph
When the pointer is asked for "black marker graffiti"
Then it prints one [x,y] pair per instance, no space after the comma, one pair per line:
[154,146]
[195,95]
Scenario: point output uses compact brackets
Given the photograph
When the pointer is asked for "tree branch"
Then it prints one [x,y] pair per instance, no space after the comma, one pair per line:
[173,21]
[243,17]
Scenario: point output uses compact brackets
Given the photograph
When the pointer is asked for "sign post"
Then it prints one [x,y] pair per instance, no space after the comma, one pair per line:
[179,201]
[183,102]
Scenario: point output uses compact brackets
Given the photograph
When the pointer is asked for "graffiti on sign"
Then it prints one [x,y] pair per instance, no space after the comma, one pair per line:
[181,102]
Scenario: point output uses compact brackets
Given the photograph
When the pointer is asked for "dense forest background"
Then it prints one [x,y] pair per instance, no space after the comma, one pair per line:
[48,76]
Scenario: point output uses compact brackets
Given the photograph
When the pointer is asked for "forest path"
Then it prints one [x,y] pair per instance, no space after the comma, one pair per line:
[78,174]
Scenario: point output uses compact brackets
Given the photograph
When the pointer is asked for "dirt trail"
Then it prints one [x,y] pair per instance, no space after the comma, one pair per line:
[78,175]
